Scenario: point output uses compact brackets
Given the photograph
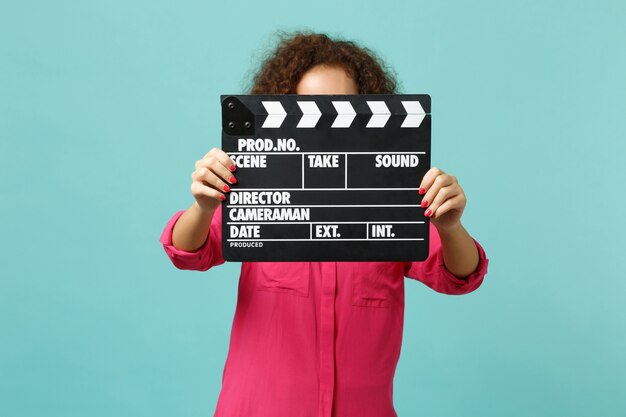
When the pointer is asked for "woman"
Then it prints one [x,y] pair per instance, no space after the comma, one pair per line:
[320,338]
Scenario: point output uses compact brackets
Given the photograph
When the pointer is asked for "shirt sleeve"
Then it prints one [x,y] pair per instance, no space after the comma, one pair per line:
[205,257]
[433,271]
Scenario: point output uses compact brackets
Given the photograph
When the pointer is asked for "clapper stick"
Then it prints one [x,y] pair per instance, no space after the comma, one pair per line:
[326,177]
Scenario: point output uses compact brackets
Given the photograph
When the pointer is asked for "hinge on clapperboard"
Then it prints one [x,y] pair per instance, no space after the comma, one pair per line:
[236,118]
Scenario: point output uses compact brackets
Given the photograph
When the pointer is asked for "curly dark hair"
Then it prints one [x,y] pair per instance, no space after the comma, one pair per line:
[297,52]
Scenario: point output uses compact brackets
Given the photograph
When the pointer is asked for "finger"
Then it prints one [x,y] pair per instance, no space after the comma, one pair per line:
[429,178]
[439,182]
[444,194]
[224,159]
[205,174]
[199,189]
[457,202]
[213,162]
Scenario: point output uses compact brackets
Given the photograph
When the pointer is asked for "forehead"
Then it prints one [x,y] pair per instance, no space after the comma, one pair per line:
[323,79]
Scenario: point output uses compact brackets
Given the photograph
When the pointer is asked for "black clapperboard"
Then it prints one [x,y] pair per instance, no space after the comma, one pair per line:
[326,177]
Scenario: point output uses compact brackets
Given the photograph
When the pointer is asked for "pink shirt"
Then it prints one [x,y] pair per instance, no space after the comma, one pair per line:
[316,339]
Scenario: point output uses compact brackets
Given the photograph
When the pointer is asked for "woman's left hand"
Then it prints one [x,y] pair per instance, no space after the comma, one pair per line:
[444,199]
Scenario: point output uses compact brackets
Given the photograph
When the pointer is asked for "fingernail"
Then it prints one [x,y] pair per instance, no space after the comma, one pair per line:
[427,213]
[421,191]
[226,188]
[232,179]
[424,203]
[232,167]
[222,197]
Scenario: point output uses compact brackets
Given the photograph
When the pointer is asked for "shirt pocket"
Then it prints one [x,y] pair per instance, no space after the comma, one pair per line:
[285,277]
[378,284]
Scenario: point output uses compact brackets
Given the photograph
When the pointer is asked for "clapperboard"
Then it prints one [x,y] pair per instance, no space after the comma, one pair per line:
[326,177]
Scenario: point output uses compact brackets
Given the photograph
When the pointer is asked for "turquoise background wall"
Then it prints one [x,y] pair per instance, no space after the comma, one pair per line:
[105,106]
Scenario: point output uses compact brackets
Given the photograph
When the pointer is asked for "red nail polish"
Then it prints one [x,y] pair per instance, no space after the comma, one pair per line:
[222,197]
[424,203]
[427,213]
[232,179]
[232,168]
[421,191]
[226,188]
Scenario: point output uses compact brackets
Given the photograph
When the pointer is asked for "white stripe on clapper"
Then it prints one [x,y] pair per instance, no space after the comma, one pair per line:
[310,114]
[415,114]
[380,114]
[275,114]
[345,114]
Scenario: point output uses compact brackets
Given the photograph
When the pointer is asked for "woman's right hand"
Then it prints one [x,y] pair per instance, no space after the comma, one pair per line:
[211,179]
